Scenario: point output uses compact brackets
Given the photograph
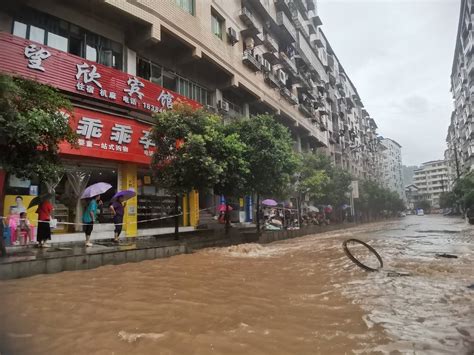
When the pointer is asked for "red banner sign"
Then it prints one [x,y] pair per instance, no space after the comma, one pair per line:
[77,75]
[111,137]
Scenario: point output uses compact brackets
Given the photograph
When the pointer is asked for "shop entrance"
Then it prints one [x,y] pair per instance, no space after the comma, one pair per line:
[155,204]
[68,205]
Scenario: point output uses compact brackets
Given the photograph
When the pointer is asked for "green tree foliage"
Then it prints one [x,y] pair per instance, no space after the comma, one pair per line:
[186,142]
[447,199]
[324,182]
[464,191]
[269,154]
[31,128]
[374,200]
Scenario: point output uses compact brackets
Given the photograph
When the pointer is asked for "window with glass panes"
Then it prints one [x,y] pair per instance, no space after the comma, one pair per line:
[217,24]
[192,90]
[186,5]
[67,37]
[149,71]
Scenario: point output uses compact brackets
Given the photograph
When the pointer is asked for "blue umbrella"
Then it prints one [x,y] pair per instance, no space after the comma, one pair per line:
[127,194]
[96,189]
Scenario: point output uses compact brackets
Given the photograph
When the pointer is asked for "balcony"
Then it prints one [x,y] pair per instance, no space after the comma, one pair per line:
[286,26]
[287,94]
[270,43]
[285,5]
[272,57]
[288,63]
[306,52]
[300,22]
[248,18]
[272,80]
[250,61]
[306,110]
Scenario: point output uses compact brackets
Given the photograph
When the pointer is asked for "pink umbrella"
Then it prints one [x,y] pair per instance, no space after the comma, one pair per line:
[96,189]
[222,208]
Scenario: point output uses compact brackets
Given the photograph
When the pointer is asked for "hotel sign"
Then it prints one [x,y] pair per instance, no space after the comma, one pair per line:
[76,75]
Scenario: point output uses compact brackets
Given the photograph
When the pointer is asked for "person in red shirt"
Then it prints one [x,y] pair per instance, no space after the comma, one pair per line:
[44,216]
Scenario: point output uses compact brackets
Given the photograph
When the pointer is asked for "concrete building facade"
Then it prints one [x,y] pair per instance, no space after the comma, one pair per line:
[460,137]
[237,57]
[431,179]
[392,166]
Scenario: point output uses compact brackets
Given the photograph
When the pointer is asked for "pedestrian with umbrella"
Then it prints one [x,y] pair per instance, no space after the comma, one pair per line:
[92,196]
[117,207]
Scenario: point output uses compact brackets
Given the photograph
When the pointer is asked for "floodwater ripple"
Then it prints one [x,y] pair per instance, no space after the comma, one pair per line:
[300,296]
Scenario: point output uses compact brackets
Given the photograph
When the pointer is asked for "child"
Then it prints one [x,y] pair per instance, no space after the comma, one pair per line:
[24,229]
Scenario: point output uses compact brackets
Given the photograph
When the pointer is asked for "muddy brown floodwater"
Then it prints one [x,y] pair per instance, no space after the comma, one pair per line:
[300,296]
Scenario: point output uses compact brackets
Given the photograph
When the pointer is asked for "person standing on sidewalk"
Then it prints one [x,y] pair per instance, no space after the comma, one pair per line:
[117,208]
[90,216]
[44,211]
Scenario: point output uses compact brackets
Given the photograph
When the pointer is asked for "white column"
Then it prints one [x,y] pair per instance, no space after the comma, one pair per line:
[131,62]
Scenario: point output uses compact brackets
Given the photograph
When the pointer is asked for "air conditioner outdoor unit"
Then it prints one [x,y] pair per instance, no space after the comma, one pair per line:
[282,76]
[233,35]
[223,106]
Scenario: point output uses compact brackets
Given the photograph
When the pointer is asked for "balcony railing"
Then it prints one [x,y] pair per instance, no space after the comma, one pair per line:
[250,61]
[272,80]
[288,63]
[285,5]
[305,110]
[247,17]
[287,94]
[272,57]
[285,24]
[270,43]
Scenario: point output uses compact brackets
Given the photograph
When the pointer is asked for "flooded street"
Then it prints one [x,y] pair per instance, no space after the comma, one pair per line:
[300,296]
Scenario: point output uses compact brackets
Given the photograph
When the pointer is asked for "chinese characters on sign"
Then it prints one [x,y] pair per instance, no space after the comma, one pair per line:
[36,56]
[146,141]
[93,134]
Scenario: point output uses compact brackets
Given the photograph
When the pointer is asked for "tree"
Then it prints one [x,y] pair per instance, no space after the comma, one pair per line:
[314,176]
[195,151]
[463,190]
[447,199]
[33,121]
[270,156]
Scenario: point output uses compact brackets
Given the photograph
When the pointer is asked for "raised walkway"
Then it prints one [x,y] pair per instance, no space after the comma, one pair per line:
[24,262]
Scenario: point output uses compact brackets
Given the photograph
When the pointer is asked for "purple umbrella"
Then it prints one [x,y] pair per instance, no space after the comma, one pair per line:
[95,189]
[269,202]
[126,194]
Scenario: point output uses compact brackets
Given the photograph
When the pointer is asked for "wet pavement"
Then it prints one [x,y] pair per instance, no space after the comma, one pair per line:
[300,296]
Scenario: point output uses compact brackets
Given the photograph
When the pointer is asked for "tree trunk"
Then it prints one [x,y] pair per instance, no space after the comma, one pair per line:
[176,218]
[258,214]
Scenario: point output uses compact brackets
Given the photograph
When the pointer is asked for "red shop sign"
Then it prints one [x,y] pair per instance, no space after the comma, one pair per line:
[77,75]
[110,137]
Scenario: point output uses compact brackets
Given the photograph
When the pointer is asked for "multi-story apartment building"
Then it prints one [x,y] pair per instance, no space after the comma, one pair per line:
[392,166]
[460,138]
[431,179]
[121,60]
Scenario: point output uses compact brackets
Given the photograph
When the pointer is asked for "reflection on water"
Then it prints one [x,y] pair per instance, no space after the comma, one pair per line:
[301,296]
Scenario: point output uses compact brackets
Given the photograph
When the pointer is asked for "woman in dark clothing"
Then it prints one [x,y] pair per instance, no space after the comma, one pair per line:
[44,216]
[117,208]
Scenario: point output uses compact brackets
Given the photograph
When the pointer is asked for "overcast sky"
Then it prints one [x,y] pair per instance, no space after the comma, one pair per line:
[398,54]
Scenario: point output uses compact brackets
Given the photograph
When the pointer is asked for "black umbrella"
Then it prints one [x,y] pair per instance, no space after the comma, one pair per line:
[38,199]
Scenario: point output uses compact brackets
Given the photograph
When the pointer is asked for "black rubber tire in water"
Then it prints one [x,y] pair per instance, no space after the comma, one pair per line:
[355,260]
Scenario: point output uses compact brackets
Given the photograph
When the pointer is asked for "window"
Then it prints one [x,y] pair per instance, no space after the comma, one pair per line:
[217,24]
[64,36]
[186,5]
[149,71]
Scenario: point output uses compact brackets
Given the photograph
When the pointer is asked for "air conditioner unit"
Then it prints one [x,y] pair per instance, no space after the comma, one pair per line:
[267,66]
[223,106]
[282,76]
[233,35]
